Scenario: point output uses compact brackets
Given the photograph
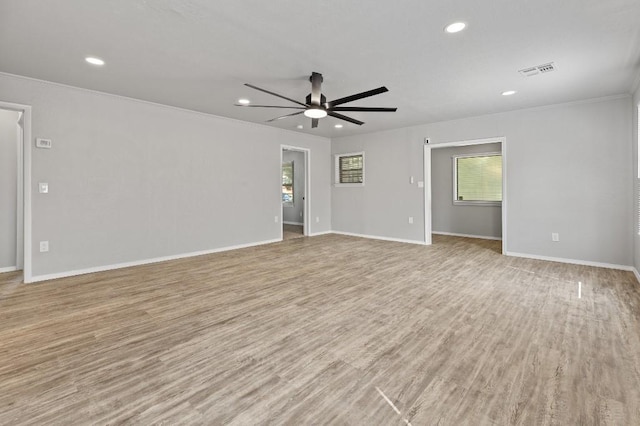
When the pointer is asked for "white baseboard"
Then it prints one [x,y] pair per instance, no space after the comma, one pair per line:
[375,237]
[635,272]
[572,261]
[315,234]
[453,234]
[293,223]
[8,269]
[144,262]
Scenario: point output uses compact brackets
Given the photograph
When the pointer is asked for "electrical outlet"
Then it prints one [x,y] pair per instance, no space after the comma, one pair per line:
[44,246]
[43,187]
[275,219]
[555,237]
[300,214]
[317,219]
[420,184]
[410,220]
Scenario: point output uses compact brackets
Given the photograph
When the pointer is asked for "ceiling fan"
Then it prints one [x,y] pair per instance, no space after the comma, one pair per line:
[317,107]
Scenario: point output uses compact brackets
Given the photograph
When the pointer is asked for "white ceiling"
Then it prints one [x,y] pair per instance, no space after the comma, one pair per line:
[197,54]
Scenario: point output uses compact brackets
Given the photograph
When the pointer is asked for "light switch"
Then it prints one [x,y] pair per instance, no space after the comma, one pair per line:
[43,143]
[43,187]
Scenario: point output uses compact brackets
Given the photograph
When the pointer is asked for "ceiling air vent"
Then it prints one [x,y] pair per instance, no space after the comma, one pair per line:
[546,67]
[540,69]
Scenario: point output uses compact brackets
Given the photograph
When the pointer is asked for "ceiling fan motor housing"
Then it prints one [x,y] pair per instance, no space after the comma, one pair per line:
[323,100]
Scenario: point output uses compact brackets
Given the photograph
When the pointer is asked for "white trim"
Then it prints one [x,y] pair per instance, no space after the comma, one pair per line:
[426,176]
[8,269]
[427,182]
[97,92]
[376,237]
[454,234]
[537,108]
[145,261]
[306,205]
[571,261]
[317,234]
[286,222]
[635,272]
[20,194]
[26,192]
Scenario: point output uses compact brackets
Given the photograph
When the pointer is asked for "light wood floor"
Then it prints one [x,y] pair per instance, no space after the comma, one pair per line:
[325,330]
[292,231]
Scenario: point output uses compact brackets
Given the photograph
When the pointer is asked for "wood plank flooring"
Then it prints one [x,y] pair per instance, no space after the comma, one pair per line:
[292,231]
[325,330]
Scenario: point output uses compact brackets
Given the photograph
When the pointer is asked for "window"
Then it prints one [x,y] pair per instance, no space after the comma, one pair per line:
[287,183]
[349,169]
[477,179]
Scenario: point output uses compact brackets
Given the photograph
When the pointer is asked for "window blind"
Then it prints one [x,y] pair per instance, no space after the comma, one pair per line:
[351,169]
[479,178]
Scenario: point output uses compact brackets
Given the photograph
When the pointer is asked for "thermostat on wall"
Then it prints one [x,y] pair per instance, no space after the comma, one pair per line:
[43,143]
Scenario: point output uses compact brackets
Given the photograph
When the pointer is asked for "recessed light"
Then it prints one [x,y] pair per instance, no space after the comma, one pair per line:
[244,101]
[338,126]
[509,93]
[455,27]
[94,61]
[300,126]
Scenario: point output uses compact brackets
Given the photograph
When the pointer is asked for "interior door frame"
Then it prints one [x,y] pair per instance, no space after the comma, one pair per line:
[23,207]
[428,181]
[306,206]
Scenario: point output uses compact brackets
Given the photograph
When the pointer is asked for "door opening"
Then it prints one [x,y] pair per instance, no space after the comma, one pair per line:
[466,208]
[294,195]
[15,191]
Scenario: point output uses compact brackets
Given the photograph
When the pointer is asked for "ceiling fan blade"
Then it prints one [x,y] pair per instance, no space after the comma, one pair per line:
[316,84]
[364,109]
[345,118]
[275,94]
[270,106]
[314,123]
[284,116]
[357,96]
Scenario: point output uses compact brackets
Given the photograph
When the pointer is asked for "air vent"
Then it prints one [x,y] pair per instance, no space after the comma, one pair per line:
[529,72]
[546,67]
[540,69]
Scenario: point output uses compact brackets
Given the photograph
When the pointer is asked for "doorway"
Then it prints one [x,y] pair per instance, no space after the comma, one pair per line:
[478,146]
[15,125]
[294,197]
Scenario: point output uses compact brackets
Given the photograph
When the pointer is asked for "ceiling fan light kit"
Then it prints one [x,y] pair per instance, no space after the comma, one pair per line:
[315,113]
[317,107]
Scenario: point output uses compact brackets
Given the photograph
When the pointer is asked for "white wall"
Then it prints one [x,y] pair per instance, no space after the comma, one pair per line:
[130,180]
[294,213]
[8,187]
[568,171]
[447,217]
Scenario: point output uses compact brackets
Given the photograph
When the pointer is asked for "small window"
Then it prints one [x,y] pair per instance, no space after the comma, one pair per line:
[477,179]
[287,183]
[350,169]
